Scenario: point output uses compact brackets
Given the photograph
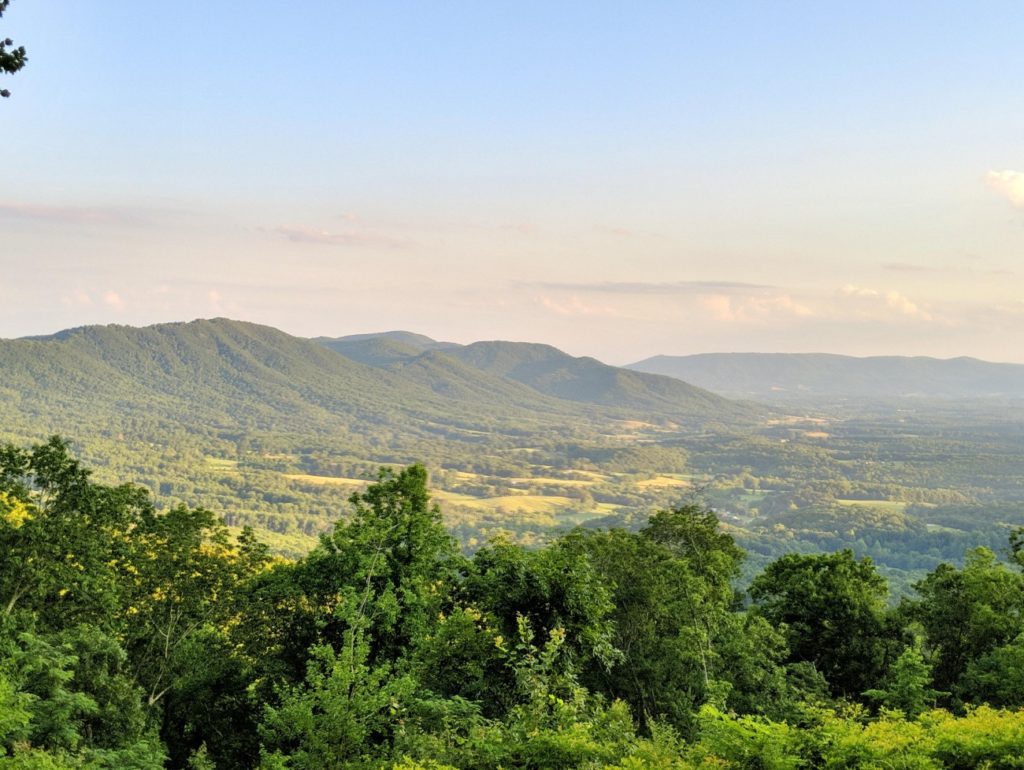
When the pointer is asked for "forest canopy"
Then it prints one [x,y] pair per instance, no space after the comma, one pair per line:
[132,637]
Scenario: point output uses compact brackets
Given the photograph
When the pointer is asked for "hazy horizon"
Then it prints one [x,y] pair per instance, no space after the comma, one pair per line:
[617,182]
[470,340]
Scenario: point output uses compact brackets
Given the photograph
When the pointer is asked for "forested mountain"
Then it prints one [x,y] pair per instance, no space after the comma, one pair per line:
[419,342]
[276,431]
[793,376]
[215,369]
[546,370]
[383,348]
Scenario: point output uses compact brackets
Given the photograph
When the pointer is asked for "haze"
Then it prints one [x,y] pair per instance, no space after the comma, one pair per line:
[616,179]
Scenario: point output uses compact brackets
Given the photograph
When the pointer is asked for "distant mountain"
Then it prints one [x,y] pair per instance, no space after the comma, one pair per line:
[587,380]
[791,376]
[495,367]
[407,340]
[373,351]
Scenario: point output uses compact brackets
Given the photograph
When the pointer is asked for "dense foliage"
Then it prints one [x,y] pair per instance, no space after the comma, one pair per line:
[138,638]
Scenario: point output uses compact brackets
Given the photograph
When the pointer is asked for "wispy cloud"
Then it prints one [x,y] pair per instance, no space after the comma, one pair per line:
[618,232]
[655,287]
[77,299]
[907,267]
[74,215]
[720,301]
[1009,184]
[343,238]
[520,228]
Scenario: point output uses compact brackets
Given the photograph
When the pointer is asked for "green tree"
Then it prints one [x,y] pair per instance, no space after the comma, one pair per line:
[64,538]
[908,684]
[11,59]
[680,639]
[997,677]
[831,608]
[180,578]
[393,559]
[333,634]
[663,666]
[556,587]
[967,613]
[345,711]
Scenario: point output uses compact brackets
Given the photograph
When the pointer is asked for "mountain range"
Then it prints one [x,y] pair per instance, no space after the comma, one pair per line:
[541,368]
[229,374]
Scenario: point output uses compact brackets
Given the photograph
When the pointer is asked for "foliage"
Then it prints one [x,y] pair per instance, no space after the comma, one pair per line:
[968,613]
[831,608]
[11,59]
[138,637]
[907,687]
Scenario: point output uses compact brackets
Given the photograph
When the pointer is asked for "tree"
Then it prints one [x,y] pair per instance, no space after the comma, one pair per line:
[997,678]
[907,687]
[681,642]
[389,565]
[345,710]
[832,610]
[64,539]
[712,559]
[181,578]
[11,59]
[967,613]
[664,663]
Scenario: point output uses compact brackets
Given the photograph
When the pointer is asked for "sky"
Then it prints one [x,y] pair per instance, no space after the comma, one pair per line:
[617,179]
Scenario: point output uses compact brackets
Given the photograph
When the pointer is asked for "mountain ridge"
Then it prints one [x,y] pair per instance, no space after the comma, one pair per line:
[779,376]
[540,367]
[221,370]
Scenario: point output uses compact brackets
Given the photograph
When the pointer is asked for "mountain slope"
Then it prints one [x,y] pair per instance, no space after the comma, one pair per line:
[229,377]
[497,366]
[792,375]
[587,380]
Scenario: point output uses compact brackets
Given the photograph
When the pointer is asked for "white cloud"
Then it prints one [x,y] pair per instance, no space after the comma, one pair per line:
[858,291]
[574,306]
[873,300]
[724,307]
[113,299]
[898,302]
[1009,184]
[656,287]
[76,299]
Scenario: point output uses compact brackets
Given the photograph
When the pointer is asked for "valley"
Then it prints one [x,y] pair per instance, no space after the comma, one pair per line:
[522,441]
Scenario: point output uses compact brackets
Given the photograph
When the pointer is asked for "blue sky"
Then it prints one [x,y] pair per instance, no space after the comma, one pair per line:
[618,179]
